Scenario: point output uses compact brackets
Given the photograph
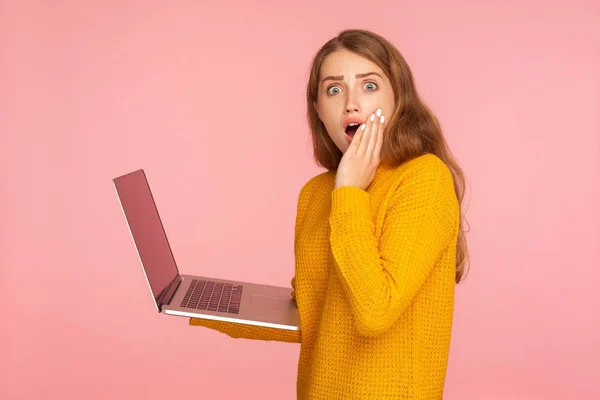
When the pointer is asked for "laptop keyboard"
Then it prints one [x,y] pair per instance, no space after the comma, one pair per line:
[213,296]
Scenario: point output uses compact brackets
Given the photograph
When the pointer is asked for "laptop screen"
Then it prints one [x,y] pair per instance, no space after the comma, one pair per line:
[147,232]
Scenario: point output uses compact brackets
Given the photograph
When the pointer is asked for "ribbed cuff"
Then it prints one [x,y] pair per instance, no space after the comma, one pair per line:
[350,200]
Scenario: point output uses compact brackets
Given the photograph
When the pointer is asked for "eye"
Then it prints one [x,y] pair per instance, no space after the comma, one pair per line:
[331,90]
[371,86]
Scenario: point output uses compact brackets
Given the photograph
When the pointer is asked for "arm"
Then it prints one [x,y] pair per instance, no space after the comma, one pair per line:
[381,278]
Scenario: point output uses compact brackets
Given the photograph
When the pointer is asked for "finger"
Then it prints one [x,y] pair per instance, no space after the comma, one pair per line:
[379,143]
[359,137]
[362,150]
[374,135]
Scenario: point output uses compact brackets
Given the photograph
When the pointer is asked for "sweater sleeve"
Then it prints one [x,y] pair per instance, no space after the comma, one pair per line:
[381,277]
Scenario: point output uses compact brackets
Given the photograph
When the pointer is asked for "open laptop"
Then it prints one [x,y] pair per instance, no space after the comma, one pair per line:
[190,295]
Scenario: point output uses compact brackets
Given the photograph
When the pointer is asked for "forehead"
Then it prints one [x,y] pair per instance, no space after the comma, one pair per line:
[345,62]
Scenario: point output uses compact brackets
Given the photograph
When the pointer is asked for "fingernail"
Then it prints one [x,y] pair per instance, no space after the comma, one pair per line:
[379,112]
[372,117]
[382,119]
[363,126]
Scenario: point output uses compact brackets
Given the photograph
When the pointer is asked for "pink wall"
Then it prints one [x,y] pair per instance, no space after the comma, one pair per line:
[209,100]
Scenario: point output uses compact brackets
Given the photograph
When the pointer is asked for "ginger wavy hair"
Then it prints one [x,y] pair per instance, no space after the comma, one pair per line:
[413,129]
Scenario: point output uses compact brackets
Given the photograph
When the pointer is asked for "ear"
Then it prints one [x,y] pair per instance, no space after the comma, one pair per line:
[316,108]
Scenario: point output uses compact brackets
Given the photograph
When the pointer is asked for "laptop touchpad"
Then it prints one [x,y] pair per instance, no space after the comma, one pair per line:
[274,303]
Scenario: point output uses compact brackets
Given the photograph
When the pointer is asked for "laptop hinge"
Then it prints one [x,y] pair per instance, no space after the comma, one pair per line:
[168,291]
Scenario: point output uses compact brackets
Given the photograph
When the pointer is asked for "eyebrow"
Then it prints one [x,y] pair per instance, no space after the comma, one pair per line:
[358,76]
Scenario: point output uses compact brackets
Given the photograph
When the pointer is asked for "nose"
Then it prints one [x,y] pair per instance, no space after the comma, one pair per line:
[352,104]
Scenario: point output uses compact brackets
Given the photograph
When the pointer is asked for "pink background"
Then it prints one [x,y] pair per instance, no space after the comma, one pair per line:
[209,99]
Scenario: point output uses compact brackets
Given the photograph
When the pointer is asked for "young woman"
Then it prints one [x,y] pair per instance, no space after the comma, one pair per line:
[379,243]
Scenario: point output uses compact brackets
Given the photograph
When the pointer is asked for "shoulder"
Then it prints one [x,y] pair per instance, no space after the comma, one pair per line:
[426,170]
[317,183]
[426,178]
[425,165]
[313,193]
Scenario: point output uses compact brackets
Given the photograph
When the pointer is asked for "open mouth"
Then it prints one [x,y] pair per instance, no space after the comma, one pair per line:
[352,128]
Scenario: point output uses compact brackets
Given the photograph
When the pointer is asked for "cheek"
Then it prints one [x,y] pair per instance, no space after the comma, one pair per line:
[331,108]
[328,119]
[391,102]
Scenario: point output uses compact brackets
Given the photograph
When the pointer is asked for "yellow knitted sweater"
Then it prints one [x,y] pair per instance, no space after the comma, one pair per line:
[374,285]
